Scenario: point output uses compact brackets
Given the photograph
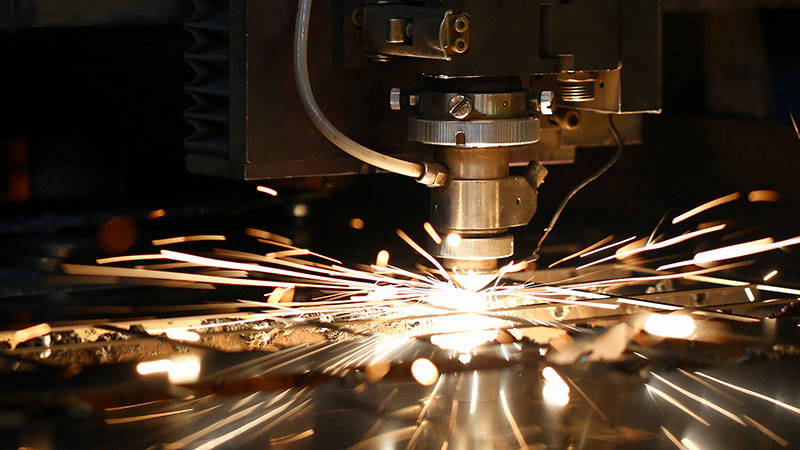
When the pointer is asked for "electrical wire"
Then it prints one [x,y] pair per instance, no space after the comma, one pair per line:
[349,146]
[535,255]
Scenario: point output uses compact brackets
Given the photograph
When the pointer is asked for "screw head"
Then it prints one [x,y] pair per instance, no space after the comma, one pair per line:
[460,106]
[394,99]
[546,103]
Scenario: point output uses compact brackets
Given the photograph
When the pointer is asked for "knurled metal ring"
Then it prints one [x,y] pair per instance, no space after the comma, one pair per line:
[476,248]
[474,133]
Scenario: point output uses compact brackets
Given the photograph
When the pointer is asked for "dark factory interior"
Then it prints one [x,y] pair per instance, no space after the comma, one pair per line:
[170,194]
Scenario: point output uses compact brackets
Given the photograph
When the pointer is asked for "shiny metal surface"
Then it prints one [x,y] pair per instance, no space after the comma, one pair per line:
[481,206]
[476,249]
[474,133]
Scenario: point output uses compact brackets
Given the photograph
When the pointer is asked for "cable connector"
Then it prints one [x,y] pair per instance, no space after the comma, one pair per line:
[434,175]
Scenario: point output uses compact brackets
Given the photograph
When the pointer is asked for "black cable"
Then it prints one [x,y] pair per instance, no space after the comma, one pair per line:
[535,255]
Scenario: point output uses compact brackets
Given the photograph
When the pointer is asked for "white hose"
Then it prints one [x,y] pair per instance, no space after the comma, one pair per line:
[349,146]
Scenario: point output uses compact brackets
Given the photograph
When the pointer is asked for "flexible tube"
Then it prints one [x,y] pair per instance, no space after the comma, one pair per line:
[349,146]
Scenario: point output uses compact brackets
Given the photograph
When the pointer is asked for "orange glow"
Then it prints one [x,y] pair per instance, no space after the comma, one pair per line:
[267,190]
[424,371]
[156,214]
[182,335]
[453,240]
[31,332]
[763,196]
[432,232]
[748,248]
[118,234]
[383,259]
[116,259]
[356,223]
[555,391]
[261,234]
[151,367]
[706,206]
[677,326]
[179,239]
[769,276]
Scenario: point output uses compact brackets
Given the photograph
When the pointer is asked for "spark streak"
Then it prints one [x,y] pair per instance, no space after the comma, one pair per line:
[706,206]
[783,405]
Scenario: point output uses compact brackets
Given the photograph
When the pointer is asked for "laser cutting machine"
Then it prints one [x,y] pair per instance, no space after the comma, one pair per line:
[451,93]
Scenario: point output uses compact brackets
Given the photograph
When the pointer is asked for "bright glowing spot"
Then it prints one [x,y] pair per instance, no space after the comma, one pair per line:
[184,369]
[763,196]
[474,281]
[156,214]
[672,326]
[383,259]
[745,249]
[432,232]
[689,444]
[183,335]
[424,371]
[356,223]
[706,207]
[179,239]
[555,391]
[150,367]
[768,276]
[31,332]
[463,332]
[465,358]
[300,210]
[453,240]
[267,190]
[749,294]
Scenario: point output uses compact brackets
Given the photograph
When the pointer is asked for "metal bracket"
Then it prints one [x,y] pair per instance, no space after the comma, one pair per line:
[414,32]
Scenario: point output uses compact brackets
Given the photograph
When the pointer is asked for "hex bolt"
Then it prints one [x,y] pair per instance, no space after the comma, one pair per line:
[546,103]
[460,106]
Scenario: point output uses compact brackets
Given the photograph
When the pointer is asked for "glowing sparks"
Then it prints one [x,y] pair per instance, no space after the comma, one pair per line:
[357,223]
[151,367]
[181,239]
[382,260]
[581,252]
[183,335]
[745,249]
[607,247]
[555,391]
[763,196]
[690,445]
[783,405]
[677,326]
[671,400]
[424,371]
[701,400]
[770,275]
[156,214]
[267,190]
[706,206]
[432,233]
[126,258]
[473,405]
[749,294]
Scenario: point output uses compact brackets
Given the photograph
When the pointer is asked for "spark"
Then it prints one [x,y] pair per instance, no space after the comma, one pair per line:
[673,439]
[794,124]
[251,424]
[669,399]
[156,214]
[676,326]
[706,206]
[581,252]
[267,190]
[767,432]
[689,444]
[357,223]
[768,276]
[425,254]
[555,391]
[180,239]
[763,196]
[126,258]
[266,235]
[32,332]
[183,335]
[745,249]
[184,369]
[145,417]
[701,400]
[424,371]
[151,367]
[511,421]
[783,405]
[749,294]
[610,246]
[382,260]
[432,233]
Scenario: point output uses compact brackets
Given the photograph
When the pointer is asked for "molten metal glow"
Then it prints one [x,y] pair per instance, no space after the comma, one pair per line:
[382,260]
[151,367]
[184,369]
[749,294]
[31,332]
[183,335]
[156,214]
[770,275]
[763,196]
[463,332]
[424,371]
[555,391]
[453,239]
[671,326]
